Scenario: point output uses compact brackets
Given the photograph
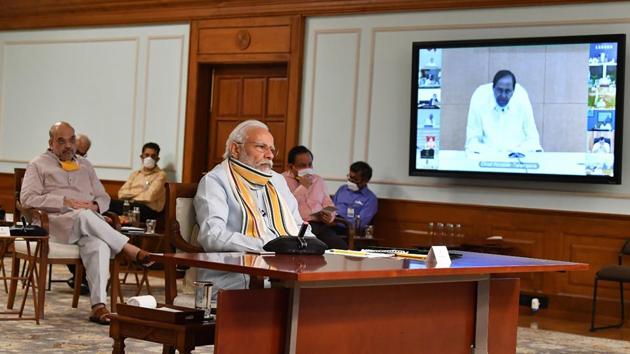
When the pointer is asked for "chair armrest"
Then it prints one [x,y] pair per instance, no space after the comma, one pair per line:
[350,229]
[178,241]
[36,214]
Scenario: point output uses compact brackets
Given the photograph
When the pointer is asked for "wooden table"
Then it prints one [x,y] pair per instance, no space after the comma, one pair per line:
[183,337]
[34,277]
[342,304]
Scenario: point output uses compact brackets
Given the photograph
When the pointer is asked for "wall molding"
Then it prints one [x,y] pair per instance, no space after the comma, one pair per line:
[85,40]
[353,124]
[178,119]
[61,13]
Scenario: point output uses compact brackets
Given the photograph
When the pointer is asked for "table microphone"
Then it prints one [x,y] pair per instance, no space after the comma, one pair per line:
[23,223]
[300,235]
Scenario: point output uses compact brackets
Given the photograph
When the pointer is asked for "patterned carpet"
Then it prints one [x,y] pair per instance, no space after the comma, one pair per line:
[67,330]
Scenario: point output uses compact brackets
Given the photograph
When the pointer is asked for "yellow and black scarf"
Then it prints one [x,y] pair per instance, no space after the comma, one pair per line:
[242,179]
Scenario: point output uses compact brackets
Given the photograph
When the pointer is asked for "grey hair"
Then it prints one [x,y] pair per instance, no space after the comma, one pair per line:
[238,134]
[88,142]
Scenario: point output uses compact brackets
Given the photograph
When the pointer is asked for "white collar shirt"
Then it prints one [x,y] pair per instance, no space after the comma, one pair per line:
[492,128]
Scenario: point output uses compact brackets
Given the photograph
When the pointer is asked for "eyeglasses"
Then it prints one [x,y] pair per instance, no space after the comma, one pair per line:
[261,147]
[501,91]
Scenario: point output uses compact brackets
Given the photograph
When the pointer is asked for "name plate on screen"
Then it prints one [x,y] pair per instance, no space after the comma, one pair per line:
[438,257]
[5,231]
[503,164]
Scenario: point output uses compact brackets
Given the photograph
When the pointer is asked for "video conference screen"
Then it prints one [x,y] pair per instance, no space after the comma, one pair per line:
[526,108]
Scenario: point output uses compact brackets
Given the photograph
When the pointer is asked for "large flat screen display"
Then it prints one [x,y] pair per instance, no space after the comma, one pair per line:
[546,108]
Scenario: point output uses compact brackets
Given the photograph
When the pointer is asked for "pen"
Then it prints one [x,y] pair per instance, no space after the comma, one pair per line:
[347,252]
[411,255]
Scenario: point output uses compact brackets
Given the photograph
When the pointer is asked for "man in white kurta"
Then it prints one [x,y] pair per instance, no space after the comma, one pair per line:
[500,118]
[66,186]
[220,212]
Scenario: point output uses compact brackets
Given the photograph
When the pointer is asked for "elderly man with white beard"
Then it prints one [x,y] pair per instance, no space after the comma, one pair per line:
[242,203]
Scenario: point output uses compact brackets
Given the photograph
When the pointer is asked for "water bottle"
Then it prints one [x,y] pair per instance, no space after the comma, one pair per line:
[357,224]
[136,216]
[126,208]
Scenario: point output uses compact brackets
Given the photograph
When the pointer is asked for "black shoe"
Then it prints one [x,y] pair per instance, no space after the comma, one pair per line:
[85,289]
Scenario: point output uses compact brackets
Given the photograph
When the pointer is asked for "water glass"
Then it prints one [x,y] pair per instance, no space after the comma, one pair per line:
[151,225]
[369,231]
[203,296]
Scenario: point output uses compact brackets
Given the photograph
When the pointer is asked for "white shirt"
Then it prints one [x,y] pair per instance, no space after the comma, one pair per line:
[601,147]
[493,128]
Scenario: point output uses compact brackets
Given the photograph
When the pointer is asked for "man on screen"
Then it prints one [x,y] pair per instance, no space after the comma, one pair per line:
[500,118]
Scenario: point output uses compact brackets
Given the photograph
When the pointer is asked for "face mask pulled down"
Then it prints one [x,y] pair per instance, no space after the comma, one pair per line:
[352,186]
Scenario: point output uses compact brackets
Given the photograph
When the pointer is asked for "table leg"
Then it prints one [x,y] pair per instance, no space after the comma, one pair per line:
[119,346]
[294,310]
[482,317]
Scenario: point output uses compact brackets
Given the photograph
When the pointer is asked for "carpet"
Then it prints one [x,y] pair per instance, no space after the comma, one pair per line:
[67,330]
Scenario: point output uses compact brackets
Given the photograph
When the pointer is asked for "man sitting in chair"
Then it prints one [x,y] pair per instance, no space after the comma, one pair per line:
[145,187]
[355,202]
[313,200]
[66,186]
[242,203]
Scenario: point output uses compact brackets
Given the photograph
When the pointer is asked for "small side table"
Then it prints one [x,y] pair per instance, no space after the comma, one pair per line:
[183,337]
[139,239]
[35,276]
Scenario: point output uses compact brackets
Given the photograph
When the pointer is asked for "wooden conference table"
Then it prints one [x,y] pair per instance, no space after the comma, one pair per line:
[342,304]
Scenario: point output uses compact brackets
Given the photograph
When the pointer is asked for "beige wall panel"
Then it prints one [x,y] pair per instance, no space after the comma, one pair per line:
[334,78]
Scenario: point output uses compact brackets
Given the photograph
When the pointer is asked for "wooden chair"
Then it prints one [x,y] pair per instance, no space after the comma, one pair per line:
[58,253]
[178,230]
[616,273]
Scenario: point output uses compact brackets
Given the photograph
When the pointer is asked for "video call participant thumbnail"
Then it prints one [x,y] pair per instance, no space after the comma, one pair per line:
[500,118]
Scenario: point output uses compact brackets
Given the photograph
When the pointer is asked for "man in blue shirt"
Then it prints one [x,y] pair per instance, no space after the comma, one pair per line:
[354,201]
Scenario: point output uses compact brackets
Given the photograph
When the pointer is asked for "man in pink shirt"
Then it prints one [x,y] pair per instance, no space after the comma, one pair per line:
[314,203]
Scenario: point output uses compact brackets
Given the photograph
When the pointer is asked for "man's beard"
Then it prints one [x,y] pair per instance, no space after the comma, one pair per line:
[66,155]
[263,166]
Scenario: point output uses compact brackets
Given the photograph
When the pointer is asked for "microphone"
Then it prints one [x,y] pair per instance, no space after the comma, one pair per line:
[23,223]
[300,235]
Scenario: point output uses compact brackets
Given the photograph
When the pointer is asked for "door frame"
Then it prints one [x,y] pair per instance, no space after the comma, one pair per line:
[200,77]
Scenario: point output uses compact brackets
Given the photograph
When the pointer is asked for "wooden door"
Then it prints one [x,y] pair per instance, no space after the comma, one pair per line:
[242,92]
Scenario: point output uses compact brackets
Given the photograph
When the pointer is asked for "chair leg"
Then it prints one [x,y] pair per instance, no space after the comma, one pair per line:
[15,269]
[114,281]
[78,280]
[617,325]
[621,299]
[593,306]
[49,277]
[41,280]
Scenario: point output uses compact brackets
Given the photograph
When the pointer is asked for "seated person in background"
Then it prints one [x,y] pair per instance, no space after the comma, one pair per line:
[354,200]
[500,118]
[601,146]
[309,190]
[66,186]
[242,203]
[145,187]
[83,145]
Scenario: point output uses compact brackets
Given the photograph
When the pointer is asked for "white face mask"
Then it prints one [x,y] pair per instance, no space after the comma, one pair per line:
[148,162]
[306,171]
[352,186]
